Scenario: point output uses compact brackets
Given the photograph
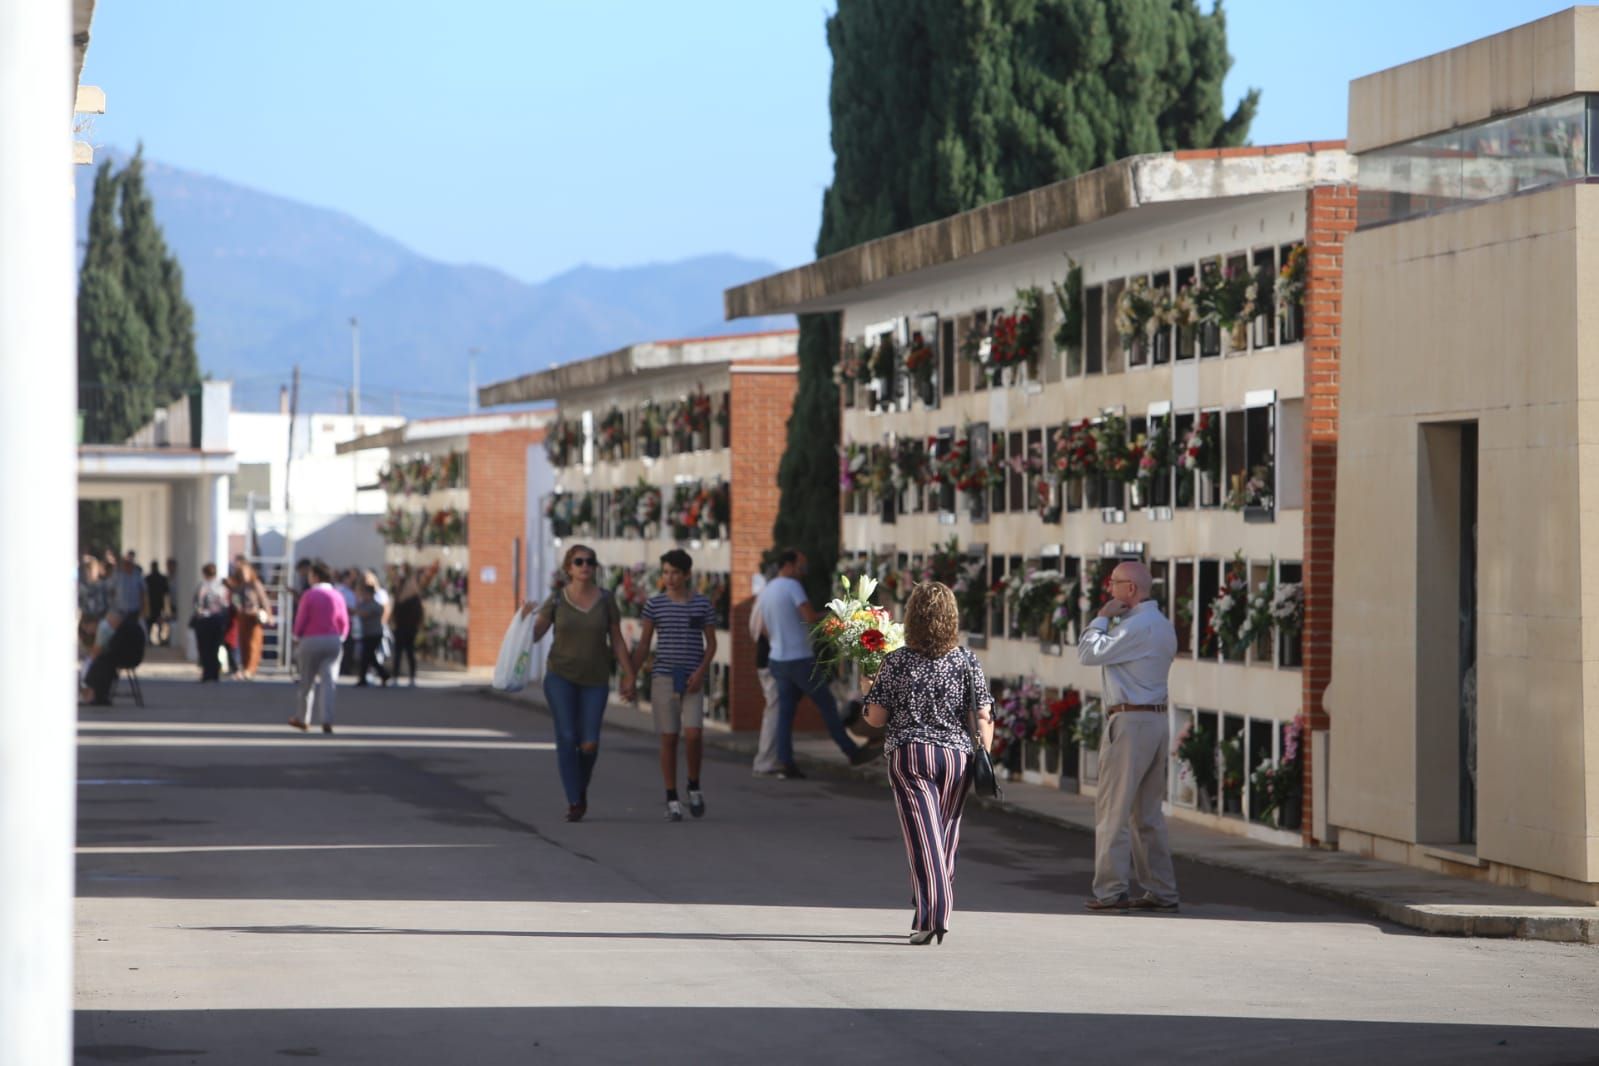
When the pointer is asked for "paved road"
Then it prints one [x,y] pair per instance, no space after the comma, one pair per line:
[406,892]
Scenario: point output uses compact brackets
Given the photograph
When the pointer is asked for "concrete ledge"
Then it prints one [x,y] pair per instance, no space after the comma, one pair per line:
[1414,898]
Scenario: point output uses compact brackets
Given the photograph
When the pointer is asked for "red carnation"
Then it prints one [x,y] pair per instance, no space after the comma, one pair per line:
[873,640]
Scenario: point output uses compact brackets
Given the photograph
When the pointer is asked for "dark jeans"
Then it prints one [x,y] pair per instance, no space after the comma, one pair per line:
[796,678]
[579,711]
[208,633]
[370,646]
[405,648]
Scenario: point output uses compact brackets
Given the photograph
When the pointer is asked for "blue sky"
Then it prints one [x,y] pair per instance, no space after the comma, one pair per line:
[536,136]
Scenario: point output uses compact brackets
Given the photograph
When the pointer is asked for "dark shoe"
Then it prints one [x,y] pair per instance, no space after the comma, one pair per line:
[790,772]
[1117,904]
[326,728]
[926,936]
[863,755]
[1148,902]
[576,811]
[696,803]
[296,723]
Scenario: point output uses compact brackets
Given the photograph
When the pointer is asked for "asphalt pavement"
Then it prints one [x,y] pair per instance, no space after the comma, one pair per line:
[406,891]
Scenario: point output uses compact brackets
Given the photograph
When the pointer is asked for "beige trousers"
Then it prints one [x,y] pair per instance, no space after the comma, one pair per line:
[1127,817]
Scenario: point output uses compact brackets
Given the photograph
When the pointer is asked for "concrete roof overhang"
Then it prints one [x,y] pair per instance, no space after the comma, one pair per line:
[112,463]
[426,429]
[1128,195]
[649,360]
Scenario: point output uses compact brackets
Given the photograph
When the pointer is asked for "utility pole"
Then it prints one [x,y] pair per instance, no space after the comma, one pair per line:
[355,359]
[288,467]
[471,380]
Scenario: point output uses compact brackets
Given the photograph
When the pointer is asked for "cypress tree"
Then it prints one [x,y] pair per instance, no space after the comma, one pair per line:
[940,106]
[136,346]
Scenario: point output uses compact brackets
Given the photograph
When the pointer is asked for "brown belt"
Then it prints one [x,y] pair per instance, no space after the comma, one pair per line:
[1120,707]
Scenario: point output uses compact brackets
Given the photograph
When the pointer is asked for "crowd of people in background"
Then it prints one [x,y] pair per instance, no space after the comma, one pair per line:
[124,610]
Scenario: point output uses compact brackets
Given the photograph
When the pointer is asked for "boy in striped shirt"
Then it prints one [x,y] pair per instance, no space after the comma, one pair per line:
[686,622]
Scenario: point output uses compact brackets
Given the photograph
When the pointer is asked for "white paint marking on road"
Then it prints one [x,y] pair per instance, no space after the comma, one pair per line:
[316,740]
[195,849]
[264,727]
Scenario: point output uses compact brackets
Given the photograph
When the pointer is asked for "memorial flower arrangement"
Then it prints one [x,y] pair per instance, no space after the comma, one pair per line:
[1011,339]
[1288,607]
[611,433]
[943,563]
[651,428]
[1041,480]
[921,363]
[854,631]
[852,459]
[879,471]
[1057,714]
[1155,459]
[1012,724]
[446,526]
[1251,491]
[1196,749]
[910,462]
[1281,783]
[1090,725]
[972,592]
[691,416]
[1229,610]
[646,507]
[1035,598]
[1291,282]
[558,508]
[1135,308]
[893,584]
[1259,620]
[1199,450]
[1117,457]
[1076,451]
[564,442]
[851,364]
[1069,300]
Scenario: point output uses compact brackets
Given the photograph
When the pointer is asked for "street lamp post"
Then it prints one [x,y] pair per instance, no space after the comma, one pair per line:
[355,371]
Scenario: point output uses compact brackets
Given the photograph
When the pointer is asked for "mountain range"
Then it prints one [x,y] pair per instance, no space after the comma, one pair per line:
[275,282]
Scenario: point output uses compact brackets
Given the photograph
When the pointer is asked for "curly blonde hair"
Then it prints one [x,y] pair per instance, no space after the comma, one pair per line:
[932,621]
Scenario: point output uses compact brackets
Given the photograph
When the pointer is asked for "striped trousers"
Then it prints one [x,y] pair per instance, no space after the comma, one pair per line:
[930,785]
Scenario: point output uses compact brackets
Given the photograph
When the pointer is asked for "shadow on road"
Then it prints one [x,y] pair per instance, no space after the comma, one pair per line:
[670,1035]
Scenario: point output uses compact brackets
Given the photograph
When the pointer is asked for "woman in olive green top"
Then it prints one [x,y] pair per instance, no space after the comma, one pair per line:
[577,673]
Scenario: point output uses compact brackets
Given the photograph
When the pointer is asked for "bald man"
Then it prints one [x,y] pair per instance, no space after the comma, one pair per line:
[1133,644]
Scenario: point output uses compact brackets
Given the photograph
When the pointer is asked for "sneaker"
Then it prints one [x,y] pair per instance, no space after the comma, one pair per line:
[863,755]
[326,728]
[1148,902]
[696,803]
[790,772]
[674,811]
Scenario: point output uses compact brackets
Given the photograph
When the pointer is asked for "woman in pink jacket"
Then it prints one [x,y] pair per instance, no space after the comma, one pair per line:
[321,622]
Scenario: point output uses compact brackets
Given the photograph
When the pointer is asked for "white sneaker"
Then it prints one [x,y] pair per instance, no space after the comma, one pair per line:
[674,811]
[696,803]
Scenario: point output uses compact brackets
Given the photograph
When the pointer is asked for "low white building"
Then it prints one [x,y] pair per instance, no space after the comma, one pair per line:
[295,486]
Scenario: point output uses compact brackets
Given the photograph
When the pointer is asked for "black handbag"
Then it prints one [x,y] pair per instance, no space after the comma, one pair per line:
[984,780]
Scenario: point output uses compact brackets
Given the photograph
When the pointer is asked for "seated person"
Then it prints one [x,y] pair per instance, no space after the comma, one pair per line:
[118,644]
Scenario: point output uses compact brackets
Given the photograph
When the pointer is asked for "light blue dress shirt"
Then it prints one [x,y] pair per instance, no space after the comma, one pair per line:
[1134,654]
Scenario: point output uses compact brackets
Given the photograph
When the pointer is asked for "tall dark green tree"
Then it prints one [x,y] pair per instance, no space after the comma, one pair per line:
[136,346]
[940,106]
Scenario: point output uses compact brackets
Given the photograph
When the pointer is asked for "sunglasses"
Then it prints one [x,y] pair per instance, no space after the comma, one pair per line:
[585,560]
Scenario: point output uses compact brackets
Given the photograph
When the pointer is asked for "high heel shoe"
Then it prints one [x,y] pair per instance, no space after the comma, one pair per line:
[926,936]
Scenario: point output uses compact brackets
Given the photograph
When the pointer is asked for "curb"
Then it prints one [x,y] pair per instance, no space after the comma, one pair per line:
[1579,926]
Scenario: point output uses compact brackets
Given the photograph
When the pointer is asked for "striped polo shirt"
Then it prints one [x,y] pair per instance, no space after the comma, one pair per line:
[679,631]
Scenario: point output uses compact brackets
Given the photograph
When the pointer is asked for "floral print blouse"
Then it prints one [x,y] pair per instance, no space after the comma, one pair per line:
[926,698]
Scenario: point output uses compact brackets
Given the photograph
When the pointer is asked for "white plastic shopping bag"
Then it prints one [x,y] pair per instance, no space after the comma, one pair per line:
[511,668]
[191,645]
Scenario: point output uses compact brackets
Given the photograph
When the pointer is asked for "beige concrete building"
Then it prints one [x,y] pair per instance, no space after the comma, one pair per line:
[1464,703]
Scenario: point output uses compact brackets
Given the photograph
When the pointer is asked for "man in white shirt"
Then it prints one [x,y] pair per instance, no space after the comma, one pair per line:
[1134,645]
[787,614]
[766,764]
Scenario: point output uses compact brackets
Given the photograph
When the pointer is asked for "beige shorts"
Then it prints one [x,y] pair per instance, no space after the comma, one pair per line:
[673,713]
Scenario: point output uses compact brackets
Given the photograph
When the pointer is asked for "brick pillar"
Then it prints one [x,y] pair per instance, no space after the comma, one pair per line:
[497,488]
[1329,217]
[762,398]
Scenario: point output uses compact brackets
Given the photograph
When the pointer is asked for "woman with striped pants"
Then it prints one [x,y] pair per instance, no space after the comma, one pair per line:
[920,697]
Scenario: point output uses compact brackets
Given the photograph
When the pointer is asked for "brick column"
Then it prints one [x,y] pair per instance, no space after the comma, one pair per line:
[762,399]
[1329,217]
[497,488]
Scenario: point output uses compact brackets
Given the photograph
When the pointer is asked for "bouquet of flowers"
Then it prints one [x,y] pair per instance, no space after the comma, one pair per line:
[1112,452]
[564,442]
[1251,491]
[1055,714]
[1288,607]
[852,460]
[1229,611]
[1291,282]
[921,364]
[611,432]
[651,427]
[1199,451]
[1156,457]
[1090,725]
[1196,748]
[1135,307]
[1069,299]
[1076,451]
[910,462]
[646,506]
[854,631]
[851,365]
[1035,598]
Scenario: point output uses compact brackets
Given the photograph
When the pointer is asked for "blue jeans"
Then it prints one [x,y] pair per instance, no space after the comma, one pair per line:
[578,711]
[796,678]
